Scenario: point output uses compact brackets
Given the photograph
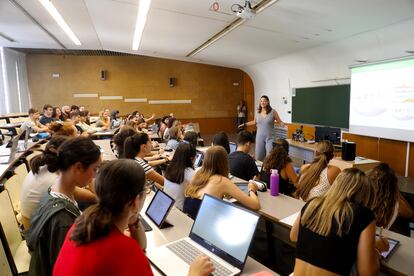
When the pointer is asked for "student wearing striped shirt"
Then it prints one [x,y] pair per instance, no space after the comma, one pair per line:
[137,147]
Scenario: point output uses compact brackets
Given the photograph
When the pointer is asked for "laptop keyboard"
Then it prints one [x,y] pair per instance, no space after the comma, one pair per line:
[188,253]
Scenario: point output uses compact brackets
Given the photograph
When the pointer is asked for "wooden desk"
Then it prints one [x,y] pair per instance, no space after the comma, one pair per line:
[305,153]
[182,227]
[104,133]
[402,260]
[105,146]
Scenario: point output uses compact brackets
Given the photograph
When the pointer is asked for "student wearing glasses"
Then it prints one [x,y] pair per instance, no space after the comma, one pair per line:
[108,238]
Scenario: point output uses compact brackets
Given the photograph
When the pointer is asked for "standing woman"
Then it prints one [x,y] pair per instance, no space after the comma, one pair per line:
[77,161]
[241,113]
[264,121]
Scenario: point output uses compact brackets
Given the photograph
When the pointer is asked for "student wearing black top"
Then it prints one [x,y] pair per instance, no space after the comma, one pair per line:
[221,139]
[279,159]
[47,118]
[337,230]
[241,163]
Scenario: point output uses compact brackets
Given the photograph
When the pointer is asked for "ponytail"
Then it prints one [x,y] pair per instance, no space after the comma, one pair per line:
[94,223]
[132,145]
[310,178]
[118,183]
[48,156]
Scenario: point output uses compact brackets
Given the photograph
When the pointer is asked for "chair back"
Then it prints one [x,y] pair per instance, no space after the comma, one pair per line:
[14,189]
[9,223]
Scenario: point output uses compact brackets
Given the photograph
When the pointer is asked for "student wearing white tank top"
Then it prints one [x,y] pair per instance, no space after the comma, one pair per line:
[316,178]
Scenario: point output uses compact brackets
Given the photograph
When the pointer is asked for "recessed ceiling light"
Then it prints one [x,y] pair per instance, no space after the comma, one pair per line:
[143,9]
[48,5]
[329,30]
[410,52]
[316,34]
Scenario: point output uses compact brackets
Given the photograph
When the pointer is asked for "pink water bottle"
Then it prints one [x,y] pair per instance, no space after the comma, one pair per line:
[274,183]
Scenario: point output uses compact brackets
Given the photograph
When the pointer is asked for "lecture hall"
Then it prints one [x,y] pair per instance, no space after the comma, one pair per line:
[206,137]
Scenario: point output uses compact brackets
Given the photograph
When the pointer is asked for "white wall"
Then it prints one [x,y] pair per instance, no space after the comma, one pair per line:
[277,77]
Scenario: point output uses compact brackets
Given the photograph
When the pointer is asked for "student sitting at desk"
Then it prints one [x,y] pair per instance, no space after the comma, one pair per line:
[57,114]
[120,186]
[47,117]
[83,117]
[137,147]
[179,173]
[241,164]
[389,203]
[34,123]
[279,159]
[40,179]
[221,139]
[191,137]
[175,136]
[212,178]
[316,178]
[337,230]
[104,121]
[77,161]
[119,139]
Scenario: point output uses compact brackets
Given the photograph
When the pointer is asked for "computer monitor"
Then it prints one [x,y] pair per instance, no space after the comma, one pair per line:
[328,133]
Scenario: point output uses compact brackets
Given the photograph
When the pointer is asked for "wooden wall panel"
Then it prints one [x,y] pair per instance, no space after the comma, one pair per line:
[367,147]
[394,153]
[209,87]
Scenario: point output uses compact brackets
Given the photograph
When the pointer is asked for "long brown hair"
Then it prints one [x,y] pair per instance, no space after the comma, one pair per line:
[268,107]
[215,163]
[385,183]
[278,157]
[117,183]
[308,180]
[351,186]
[65,128]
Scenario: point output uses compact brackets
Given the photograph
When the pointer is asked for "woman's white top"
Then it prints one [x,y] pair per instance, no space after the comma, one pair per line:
[34,188]
[176,190]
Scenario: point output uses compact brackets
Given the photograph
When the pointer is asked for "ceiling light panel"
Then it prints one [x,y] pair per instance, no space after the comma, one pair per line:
[48,5]
[143,8]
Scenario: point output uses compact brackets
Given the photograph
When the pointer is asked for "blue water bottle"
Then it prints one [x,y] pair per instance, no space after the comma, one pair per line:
[274,183]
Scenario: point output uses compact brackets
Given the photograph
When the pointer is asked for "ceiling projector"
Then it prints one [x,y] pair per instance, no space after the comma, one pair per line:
[245,12]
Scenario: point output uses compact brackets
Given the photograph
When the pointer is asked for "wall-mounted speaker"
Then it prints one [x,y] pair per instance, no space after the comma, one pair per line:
[172,82]
[103,75]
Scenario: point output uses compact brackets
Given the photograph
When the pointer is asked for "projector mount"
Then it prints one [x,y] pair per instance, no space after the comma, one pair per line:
[245,12]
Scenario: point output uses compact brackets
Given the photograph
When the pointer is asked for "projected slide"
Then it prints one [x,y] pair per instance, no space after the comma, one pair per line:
[382,100]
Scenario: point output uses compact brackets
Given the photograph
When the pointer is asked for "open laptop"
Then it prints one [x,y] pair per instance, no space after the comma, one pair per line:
[233,147]
[159,208]
[9,158]
[221,230]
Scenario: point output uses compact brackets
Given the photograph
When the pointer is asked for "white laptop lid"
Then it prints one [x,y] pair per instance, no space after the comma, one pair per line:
[224,229]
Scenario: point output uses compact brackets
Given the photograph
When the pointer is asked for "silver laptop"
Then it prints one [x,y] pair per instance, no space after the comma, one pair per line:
[13,150]
[221,230]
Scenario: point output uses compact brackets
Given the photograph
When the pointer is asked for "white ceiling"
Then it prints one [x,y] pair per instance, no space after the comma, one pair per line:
[176,27]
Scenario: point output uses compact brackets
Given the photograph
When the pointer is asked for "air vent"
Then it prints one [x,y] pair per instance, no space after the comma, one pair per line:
[71,52]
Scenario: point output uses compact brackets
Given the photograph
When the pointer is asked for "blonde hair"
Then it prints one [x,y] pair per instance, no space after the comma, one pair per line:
[324,153]
[385,182]
[351,186]
[215,163]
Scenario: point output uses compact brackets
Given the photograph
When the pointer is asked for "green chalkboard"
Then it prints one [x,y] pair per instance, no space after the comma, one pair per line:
[324,106]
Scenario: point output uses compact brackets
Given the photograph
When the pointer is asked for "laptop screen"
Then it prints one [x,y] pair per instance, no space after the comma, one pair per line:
[233,147]
[159,207]
[222,226]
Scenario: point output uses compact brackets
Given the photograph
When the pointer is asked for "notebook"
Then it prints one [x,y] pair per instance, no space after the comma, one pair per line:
[221,230]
